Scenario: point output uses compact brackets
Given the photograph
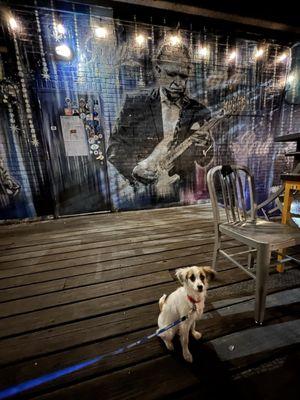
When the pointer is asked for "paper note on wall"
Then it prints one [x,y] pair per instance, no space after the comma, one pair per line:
[74,136]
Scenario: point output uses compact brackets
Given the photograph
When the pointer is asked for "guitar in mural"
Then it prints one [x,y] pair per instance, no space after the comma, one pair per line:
[162,162]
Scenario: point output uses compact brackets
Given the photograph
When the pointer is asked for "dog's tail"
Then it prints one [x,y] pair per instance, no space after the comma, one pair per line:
[161,301]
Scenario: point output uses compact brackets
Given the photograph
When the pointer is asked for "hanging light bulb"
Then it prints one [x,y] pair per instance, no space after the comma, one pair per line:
[175,40]
[232,56]
[140,39]
[282,57]
[60,29]
[63,51]
[13,23]
[101,32]
[258,53]
[203,52]
[290,79]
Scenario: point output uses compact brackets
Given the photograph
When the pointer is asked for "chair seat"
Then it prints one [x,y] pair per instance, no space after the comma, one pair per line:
[276,235]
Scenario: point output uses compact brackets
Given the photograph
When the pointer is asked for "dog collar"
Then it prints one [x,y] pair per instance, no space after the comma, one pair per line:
[193,300]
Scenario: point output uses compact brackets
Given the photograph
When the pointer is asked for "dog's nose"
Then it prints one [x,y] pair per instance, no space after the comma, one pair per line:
[200,288]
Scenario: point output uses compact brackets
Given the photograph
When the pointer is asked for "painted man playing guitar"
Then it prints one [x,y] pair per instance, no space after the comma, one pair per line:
[160,135]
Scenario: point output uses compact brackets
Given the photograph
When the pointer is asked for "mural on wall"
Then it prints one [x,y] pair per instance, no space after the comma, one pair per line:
[127,116]
[200,101]
[158,136]
[162,134]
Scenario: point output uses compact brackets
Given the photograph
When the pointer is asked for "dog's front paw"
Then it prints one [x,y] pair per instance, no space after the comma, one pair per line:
[188,357]
[197,335]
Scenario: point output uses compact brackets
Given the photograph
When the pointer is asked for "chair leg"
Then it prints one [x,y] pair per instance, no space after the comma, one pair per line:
[286,216]
[217,246]
[262,271]
[250,263]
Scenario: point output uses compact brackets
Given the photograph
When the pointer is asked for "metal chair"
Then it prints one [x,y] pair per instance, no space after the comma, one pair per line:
[232,188]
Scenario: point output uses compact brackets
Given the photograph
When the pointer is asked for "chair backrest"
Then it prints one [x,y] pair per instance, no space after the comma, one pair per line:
[232,188]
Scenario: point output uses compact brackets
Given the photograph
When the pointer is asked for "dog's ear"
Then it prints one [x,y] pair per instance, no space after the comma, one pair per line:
[210,273]
[181,274]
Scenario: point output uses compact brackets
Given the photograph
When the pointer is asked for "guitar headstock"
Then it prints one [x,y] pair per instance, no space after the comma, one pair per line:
[234,105]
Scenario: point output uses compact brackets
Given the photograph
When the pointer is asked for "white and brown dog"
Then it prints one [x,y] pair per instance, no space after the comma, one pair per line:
[191,295]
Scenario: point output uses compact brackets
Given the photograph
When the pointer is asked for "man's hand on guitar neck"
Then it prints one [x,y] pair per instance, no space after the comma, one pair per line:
[201,138]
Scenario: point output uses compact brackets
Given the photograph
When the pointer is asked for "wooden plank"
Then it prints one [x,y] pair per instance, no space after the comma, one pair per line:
[133,381]
[21,242]
[28,290]
[82,293]
[105,218]
[100,228]
[64,271]
[85,237]
[107,276]
[39,250]
[93,220]
[20,292]
[236,312]
[206,364]
[43,257]
[211,327]
[12,269]
[117,255]
[81,332]
[116,274]
[11,290]
[110,227]
[201,258]
[53,339]
[98,237]
[83,310]
[98,306]
[118,283]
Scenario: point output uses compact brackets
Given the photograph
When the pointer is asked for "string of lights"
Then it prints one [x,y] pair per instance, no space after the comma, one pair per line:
[100,32]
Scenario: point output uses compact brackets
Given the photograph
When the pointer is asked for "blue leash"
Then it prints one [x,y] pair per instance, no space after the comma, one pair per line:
[32,383]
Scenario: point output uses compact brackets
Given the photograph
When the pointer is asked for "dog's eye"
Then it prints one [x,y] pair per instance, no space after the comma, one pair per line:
[192,278]
[202,277]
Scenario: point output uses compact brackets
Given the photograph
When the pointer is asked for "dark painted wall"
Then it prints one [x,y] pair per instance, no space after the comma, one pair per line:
[129,123]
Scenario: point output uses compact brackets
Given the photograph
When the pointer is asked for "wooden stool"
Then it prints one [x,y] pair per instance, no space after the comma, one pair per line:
[291,183]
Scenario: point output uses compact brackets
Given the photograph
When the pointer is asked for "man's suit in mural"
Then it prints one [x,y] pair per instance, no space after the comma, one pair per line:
[141,134]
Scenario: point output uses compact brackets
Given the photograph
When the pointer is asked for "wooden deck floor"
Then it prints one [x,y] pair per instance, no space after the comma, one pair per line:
[75,288]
